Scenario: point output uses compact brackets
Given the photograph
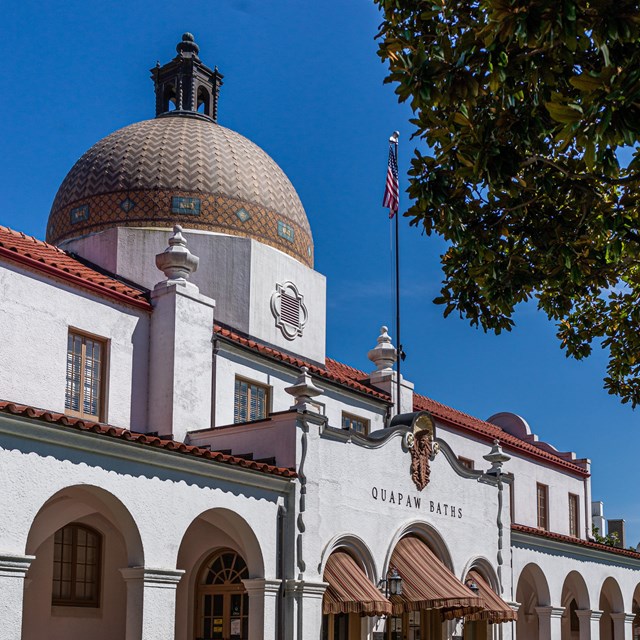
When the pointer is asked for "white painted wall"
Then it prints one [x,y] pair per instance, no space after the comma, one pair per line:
[35,316]
[527,474]
[240,274]
[232,362]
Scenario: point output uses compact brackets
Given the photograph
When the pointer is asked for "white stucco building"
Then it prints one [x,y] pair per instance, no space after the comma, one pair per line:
[180,459]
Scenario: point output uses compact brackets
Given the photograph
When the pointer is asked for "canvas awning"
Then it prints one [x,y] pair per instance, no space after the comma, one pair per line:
[428,584]
[350,590]
[495,608]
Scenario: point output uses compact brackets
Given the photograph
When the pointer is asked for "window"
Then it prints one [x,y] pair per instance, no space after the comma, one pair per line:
[76,567]
[86,359]
[465,462]
[251,401]
[355,423]
[574,517]
[543,509]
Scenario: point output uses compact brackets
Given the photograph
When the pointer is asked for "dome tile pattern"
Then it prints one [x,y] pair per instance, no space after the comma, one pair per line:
[132,177]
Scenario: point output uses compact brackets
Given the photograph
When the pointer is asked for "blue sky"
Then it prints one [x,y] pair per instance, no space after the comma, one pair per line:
[303,81]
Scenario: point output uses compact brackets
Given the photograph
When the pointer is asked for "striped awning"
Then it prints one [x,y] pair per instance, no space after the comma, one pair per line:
[349,590]
[495,608]
[428,584]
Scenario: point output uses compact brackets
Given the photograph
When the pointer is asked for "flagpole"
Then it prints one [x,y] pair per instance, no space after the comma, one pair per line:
[399,353]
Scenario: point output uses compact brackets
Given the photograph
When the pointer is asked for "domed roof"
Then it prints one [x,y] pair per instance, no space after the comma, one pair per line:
[183,170]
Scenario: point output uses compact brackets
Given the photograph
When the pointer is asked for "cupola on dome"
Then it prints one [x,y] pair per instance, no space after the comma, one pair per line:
[182,168]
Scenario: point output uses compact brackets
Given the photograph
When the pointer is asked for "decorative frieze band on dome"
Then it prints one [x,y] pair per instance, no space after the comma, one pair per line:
[182,170]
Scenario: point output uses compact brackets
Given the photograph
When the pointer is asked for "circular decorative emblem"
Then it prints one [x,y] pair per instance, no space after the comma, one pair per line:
[408,440]
[289,310]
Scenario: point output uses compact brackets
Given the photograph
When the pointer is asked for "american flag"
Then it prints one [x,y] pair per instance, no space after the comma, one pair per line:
[391,198]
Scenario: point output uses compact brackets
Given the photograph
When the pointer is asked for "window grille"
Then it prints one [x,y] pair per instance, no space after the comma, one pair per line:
[85,376]
[251,401]
[76,567]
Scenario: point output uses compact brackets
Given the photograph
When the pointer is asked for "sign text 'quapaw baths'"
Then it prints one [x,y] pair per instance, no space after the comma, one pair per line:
[415,502]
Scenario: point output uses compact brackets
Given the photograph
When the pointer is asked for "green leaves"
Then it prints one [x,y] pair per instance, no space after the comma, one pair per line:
[523,107]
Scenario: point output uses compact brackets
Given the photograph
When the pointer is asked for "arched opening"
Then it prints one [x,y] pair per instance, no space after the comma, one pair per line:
[81,538]
[485,624]
[168,98]
[575,597]
[532,592]
[610,602]
[214,537]
[203,101]
[635,608]
[352,599]
[222,603]
[432,596]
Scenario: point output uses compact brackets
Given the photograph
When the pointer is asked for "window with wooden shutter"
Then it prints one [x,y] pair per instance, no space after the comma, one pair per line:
[542,492]
[251,401]
[574,515]
[86,358]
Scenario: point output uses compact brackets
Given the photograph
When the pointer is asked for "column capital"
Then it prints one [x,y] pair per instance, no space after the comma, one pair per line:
[589,614]
[306,589]
[550,612]
[161,578]
[257,586]
[624,617]
[15,566]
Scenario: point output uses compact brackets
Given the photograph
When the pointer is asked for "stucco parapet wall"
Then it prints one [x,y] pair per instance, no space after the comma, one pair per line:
[549,542]
[333,371]
[44,258]
[39,424]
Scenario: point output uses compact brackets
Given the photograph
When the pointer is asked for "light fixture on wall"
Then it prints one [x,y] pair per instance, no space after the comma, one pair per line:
[472,584]
[392,585]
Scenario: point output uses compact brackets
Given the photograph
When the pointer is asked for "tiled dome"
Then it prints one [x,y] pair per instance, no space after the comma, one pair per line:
[181,168]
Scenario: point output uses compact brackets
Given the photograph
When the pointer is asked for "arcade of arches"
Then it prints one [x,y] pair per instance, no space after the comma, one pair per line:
[87,569]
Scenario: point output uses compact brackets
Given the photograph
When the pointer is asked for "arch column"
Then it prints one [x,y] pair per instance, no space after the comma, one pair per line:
[549,622]
[589,620]
[622,626]
[151,602]
[13,570]
[308,607]
[263,607]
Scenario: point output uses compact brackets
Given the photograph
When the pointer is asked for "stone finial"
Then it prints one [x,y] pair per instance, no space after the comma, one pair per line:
[303,390]
[384,355]
[497,457]
[176,261]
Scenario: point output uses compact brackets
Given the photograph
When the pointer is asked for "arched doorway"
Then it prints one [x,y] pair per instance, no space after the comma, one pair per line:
[222,603]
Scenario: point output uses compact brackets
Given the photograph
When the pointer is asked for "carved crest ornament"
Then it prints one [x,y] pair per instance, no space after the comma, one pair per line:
[420,442]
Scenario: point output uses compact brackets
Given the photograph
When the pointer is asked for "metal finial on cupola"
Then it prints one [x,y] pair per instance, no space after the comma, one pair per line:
[185,86]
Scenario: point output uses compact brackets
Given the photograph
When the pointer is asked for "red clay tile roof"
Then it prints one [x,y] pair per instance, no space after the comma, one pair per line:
[41,256]
[333,370]
[355,379]
[541,533]
[490,432]
[52,417]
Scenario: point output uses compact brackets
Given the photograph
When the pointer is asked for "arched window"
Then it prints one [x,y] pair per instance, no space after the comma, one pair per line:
[77,556]
[222,610]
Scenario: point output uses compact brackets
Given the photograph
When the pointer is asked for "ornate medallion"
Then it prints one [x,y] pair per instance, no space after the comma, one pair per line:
[423,449]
